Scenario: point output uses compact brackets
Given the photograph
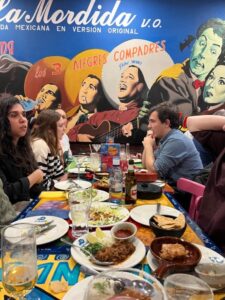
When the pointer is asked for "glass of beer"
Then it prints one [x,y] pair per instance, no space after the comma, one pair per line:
[19,259]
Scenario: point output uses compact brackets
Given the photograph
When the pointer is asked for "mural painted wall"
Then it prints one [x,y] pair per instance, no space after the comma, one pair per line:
[106,63]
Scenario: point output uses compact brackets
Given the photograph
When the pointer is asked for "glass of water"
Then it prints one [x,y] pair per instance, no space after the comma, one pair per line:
[19,259]
[80,203]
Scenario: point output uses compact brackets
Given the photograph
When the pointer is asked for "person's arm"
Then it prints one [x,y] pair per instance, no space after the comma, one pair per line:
[18,190]
[35,177]
[148,158]
[206,122]
[51,168]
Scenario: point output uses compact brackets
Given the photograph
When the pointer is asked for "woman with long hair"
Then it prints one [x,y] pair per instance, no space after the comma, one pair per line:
[46,134]
[19,171]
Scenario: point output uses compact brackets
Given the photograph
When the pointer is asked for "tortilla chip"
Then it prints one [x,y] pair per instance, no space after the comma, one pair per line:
[170,223]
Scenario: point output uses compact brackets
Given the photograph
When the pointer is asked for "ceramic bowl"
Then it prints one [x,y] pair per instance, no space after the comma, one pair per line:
[124,231]
[211,273]
[159,231]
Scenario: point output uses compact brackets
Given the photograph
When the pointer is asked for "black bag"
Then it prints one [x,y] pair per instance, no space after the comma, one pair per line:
[202,176]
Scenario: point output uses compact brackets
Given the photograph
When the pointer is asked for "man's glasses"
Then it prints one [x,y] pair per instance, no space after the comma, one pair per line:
[16,114]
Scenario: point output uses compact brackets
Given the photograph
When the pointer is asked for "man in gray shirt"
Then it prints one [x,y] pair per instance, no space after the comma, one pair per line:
[175,155]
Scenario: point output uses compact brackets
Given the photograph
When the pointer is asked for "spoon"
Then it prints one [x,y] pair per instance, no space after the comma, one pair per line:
[92,258]
[145,287]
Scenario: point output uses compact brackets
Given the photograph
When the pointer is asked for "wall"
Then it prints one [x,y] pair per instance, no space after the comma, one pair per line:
[49,48]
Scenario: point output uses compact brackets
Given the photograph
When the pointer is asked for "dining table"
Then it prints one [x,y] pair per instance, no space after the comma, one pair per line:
[55,262]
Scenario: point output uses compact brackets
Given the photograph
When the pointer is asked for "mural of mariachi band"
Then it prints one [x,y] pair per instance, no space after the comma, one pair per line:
[102,91]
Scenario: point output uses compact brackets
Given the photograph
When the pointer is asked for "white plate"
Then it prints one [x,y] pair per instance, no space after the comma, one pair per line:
[131,261]
[159,183]
[75,170]
[136,160]
[64,185]
[120,212]
[51,235]
[101,196]
[78,290]
[208,256]
[143,213]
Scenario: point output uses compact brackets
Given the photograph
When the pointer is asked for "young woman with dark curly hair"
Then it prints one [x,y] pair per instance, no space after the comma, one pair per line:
[19,171]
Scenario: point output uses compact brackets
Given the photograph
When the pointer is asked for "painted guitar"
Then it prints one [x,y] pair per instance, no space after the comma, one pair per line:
[105,129]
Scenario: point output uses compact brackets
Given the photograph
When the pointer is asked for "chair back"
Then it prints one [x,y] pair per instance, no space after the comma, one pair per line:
[197,191]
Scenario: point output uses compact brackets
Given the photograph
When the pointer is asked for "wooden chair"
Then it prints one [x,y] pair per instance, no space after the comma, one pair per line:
[194,188]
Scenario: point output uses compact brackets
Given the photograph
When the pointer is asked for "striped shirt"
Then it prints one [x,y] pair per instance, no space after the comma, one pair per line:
[48,163]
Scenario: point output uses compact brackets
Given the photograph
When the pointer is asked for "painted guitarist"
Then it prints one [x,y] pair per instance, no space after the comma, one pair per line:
[131,93]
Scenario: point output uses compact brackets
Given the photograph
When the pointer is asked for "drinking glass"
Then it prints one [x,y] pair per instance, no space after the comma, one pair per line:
[185,287]
[95,161]
[79,160]
[96,147]
[19,259]
[80,203]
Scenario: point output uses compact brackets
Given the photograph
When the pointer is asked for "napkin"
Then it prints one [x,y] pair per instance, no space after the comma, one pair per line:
[56,195]
[61,213]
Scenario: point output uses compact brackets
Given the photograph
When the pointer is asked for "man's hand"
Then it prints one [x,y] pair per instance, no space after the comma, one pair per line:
[84,137]
[127,129]
[149,140]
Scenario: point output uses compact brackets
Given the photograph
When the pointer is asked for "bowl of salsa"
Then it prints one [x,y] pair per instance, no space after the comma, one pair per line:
[124,231]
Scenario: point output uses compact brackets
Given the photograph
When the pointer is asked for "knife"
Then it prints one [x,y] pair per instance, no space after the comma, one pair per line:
[43,228]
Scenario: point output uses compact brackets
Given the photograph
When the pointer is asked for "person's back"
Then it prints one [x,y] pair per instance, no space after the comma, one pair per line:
[210,130]
[181,157]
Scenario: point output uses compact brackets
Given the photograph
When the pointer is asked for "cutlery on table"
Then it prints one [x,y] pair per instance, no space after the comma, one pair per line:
[91,256]
[73,184]
[42,228]
[158,208]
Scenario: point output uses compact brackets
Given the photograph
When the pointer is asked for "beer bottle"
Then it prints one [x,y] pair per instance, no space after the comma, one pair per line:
[130,184]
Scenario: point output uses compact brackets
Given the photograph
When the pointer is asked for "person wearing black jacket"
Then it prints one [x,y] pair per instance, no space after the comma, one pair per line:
[19,171]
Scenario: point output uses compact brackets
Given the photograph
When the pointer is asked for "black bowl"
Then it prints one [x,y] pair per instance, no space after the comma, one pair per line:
[159,231]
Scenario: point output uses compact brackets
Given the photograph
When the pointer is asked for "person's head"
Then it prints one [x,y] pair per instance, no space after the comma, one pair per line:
[63,116]
[50,97]
[13,121]
[14,134]
[209,44]
[132,85]
[162,119]
[48,126]
[90,92]
[214,89]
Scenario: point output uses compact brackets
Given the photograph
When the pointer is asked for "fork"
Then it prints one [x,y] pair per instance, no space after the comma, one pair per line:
[92,258]
[73,184]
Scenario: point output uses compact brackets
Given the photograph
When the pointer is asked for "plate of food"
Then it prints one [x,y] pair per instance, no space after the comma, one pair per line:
[128,283]
[66,184]
[97,195]
[78,290]
[143,213]
[104,247]
[106,214]
[208,256]
[57,228]
[102,183]
[77,170]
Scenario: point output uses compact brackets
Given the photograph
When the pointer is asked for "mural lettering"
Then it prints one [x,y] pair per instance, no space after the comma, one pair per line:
[6,47]
[84,17]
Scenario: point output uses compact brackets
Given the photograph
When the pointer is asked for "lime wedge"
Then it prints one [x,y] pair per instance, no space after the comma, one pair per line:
[91,238]
[99,233]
